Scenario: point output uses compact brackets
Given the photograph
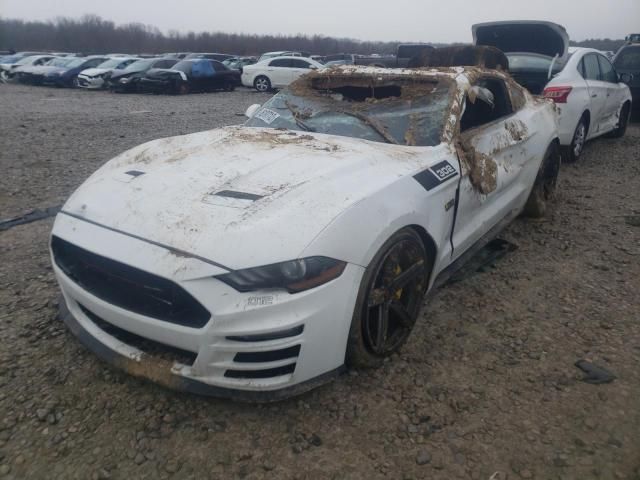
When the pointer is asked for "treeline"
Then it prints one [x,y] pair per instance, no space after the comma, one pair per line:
[92,34]
[606,44]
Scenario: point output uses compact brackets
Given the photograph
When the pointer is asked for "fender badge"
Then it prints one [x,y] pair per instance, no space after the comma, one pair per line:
[449,204]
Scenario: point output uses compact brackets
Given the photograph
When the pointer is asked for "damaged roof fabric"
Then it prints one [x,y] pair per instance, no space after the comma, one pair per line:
[392,108]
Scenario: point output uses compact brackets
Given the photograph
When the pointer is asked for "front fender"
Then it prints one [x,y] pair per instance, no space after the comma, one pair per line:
[358,233]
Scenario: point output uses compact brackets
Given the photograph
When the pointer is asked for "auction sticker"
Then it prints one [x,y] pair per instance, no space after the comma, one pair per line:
[267,116]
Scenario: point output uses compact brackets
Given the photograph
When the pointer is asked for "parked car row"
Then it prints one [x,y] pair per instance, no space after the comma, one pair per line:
[194,73]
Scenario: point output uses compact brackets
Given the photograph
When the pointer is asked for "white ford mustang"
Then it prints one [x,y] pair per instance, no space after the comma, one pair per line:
[257,261]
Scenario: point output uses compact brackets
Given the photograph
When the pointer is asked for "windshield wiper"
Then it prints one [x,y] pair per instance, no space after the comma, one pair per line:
[374,124]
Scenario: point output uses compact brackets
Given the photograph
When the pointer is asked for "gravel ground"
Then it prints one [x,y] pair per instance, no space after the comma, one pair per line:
[486,388]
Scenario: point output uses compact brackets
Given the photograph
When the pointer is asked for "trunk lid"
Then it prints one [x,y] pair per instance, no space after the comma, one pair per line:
[523,36]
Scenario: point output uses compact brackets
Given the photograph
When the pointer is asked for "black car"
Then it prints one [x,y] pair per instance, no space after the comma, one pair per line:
[127,79]
[195,75]
[221,57]
[627,64]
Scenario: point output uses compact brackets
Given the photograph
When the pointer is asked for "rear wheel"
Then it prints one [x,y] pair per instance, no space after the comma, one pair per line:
[572,152]
[623,122]
[262,84]
[544,187]
[230,86]
[389,300]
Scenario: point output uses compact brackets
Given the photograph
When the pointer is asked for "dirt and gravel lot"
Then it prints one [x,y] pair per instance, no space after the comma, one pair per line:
[486,388]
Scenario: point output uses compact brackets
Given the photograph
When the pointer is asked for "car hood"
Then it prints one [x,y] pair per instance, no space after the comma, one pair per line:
[240,196]
[545,38]
[92,72]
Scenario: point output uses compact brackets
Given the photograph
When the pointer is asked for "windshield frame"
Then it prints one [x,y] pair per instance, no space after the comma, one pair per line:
[415,116]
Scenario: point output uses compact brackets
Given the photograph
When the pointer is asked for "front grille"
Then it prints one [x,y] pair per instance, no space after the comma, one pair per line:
[127,287]
[150,347]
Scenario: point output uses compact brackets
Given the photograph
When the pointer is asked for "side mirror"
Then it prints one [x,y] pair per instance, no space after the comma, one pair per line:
[251,111]
[626,78]
[313,67]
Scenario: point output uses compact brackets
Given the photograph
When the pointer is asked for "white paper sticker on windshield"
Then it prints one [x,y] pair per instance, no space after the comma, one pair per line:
[267,116]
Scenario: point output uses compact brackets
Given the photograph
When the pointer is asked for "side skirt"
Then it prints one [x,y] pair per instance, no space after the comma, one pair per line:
[448,272]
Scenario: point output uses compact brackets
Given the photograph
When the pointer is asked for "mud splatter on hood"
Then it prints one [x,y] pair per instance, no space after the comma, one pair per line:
[212,193]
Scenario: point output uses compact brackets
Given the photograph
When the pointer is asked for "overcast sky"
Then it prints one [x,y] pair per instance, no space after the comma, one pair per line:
[408,20]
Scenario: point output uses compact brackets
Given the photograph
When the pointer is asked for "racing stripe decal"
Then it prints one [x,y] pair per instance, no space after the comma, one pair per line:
[436,175]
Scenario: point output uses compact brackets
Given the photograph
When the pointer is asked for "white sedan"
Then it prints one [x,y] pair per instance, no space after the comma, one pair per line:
[95,78]
[276,72]
[256,261]
[589,94]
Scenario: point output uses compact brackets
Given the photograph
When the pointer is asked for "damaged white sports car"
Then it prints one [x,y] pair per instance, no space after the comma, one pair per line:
[256,261]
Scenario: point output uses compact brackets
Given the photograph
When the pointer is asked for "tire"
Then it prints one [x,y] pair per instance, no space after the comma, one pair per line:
[544,187]
[572,152]
[389,300]
[262,84]
[230,87]
[182,88]
[621,129]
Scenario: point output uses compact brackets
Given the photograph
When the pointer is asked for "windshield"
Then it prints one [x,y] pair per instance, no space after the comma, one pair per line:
[532,63]
[183,66]
[26,60]
[403,112]
[76,62]
[628,58]
[59,62]
[112,63]
[140,65]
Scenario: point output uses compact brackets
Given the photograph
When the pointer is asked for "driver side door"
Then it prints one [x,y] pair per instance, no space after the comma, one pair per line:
[493,151]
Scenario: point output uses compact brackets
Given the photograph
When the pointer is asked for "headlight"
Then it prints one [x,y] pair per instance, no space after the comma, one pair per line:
[124,80]
[294,276]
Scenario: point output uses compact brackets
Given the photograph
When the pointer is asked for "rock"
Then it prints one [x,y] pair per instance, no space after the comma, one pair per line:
[139,459]
[423,457]
[103,474]
[172,466]
[268,465]
[42,413]
[526,473]
[315,440]
[4,470]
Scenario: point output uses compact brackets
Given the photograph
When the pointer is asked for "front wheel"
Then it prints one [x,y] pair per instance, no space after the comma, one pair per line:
[623,122]
[544,187]
[262,84]
[182,88]
[389,300]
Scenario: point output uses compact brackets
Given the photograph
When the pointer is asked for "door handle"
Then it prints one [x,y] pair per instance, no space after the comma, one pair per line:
[594,95]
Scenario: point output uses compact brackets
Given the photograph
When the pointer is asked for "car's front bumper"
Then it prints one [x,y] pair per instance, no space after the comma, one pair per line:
[157,86]
[230,344]
[90,82]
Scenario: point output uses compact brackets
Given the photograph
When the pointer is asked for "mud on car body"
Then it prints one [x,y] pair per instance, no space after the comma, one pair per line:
[256,261]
